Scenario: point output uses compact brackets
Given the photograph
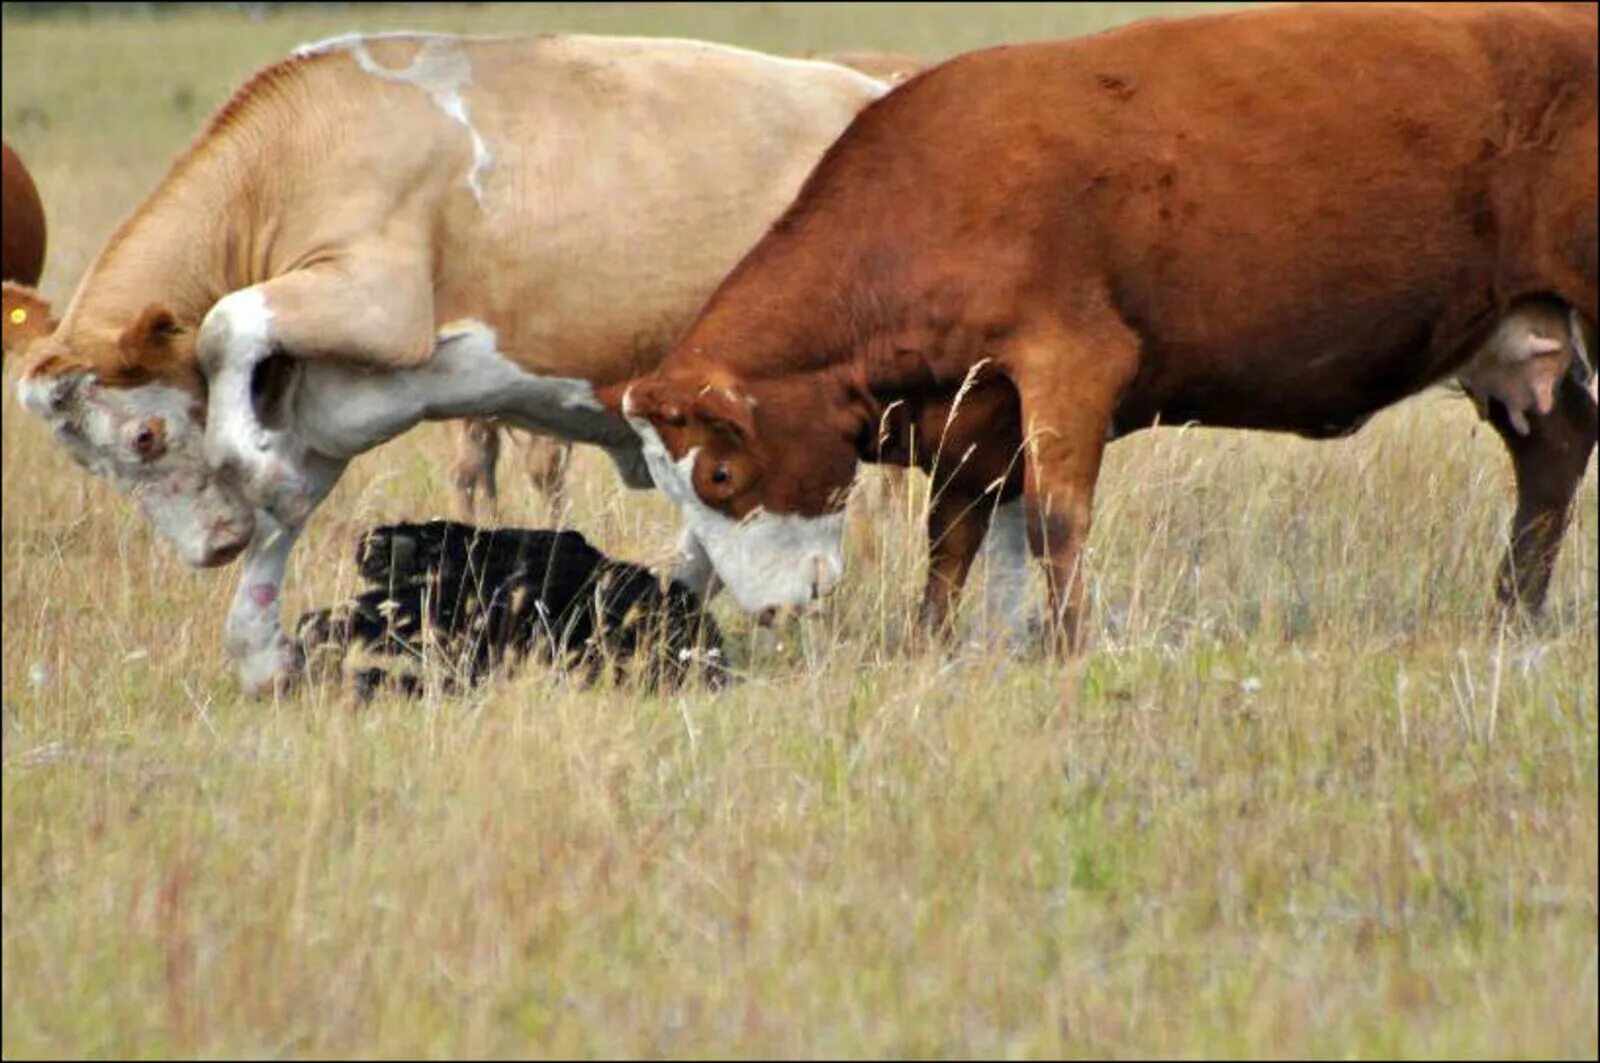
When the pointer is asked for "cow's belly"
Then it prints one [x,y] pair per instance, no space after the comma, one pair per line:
[1319,386]
[1262,406]
[341,410]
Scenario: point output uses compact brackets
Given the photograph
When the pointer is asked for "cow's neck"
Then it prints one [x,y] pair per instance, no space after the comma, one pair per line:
[885,333]
[186,247]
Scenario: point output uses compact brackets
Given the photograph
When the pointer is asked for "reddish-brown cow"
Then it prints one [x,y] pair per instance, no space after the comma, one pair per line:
[21,253]
[1284,219]
[21,222]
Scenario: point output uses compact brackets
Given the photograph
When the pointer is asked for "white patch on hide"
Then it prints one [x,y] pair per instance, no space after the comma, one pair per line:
[235,338]
[240,321]
[440,68]
[767,560]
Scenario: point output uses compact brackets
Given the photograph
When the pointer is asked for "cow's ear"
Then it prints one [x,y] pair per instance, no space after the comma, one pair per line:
[148,343]
[658,400]
[27,313]
[728,409]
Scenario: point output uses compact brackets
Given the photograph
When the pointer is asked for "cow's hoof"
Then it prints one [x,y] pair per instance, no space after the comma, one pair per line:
[1017,635]
[272,671]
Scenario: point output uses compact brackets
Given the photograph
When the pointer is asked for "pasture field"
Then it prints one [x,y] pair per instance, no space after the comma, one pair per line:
[1304,795]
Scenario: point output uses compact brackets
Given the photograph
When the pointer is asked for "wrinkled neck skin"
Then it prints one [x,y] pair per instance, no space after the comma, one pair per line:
[183,249]
[818,396]
[134,411]
[870,351]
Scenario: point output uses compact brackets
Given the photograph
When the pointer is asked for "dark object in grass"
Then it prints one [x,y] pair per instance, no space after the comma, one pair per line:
[481,598]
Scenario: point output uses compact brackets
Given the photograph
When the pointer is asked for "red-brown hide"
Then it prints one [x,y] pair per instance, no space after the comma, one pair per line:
[21,222]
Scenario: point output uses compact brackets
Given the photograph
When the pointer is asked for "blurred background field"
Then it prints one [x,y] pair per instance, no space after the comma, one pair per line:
[1303,796]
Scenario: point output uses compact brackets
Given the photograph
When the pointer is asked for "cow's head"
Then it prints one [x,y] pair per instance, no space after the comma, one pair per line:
[26,317]
[129,404]
[761,471]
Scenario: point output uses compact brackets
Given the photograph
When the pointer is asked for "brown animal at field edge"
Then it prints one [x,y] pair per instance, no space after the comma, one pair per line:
[22,247]
[26,317]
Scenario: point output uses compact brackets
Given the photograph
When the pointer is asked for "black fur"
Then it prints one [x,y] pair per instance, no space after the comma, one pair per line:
[485,597]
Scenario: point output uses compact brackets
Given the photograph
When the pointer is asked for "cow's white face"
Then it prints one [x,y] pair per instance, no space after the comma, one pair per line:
[147,440]
[769,561]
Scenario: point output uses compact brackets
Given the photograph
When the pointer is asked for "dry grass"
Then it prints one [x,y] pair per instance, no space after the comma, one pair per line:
[1307,798]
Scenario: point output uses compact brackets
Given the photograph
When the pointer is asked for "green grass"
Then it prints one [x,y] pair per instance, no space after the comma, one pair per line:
[1303,796]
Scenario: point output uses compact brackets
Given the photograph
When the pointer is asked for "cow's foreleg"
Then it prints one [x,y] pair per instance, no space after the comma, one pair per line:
[253,633]
[1064,436]
[957,533]
[1549,461]
[349,310]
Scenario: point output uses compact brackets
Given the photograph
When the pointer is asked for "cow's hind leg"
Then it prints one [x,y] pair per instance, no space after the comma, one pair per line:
[956,525]
[1549,461]
[477,458]
[547,460]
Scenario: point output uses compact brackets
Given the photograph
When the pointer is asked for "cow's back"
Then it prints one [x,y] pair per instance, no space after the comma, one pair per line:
[1367,185]
[628,177]
[581,195]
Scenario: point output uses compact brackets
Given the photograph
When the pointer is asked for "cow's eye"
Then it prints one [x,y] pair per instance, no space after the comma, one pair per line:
[150,439]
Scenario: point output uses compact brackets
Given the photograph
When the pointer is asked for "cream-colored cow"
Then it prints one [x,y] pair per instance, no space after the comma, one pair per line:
[382,230]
